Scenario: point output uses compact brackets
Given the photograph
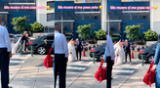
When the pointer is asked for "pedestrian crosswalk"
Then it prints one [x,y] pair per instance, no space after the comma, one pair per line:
[16,62]
[18,59]
[78,66]
[131,71]
[125,69]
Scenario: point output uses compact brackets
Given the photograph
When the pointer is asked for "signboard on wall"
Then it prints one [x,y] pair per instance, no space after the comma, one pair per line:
[87,1]
[71,6]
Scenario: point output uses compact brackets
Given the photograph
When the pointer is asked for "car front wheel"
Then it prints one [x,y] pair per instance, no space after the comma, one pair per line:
[41,50]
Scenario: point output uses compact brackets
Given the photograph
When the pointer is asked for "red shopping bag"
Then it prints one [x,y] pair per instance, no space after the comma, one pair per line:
[132,54]
[48,62]
[149,77]
[100,75]
[84,53]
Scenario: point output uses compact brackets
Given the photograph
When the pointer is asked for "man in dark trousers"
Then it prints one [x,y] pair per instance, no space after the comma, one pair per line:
[109,57]
[5,54]
[79,48]
[61,56]
[127,50]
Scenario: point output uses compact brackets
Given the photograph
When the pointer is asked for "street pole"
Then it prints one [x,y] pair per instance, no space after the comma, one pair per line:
[62,22]
[108,24]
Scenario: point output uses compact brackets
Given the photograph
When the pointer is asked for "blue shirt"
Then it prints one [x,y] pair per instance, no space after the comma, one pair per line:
[4,38]
[60,44]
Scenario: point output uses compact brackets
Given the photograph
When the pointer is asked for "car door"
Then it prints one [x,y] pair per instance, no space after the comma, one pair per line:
[49,41]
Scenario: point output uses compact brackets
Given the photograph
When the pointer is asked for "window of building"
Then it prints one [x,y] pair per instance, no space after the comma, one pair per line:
[88,16]
[50,16]
[136,16]
[59,16]
[140,16]
[51,4]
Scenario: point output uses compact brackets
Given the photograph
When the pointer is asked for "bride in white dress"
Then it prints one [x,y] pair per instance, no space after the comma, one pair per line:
[119,53]
[72,52]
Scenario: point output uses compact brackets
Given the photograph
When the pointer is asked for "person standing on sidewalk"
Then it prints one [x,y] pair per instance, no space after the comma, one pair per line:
[5,54]
[109,57]
[61,56]
[79,48]
[127,49]
[157,65]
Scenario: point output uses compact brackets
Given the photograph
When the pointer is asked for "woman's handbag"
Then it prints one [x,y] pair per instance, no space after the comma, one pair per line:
[101,73]
[149,77]
[48,61]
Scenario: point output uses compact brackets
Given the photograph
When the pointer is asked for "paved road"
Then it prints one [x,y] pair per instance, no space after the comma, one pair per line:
[28,72]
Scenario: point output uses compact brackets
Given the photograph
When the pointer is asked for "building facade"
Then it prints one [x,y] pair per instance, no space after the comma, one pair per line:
[70,14]
[155,16]
[3,12]
[9,9]
[120,13]
[29,13]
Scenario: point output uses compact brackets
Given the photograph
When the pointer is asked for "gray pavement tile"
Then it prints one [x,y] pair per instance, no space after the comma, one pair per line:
[46,84]
[45,79]
[29,77]
[22,84]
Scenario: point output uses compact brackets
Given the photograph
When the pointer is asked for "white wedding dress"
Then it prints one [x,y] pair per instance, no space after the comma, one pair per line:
[72,52]
[119,55]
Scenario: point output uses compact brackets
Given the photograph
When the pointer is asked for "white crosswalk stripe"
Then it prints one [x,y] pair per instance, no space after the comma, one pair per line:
[123,71]
[18,59]
[16,62]
[79,66]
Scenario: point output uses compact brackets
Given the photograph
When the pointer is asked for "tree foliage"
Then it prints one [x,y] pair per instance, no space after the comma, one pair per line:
[85,32]
[133,33]
[20,24]
[37,27]
[151,35]
[100,35]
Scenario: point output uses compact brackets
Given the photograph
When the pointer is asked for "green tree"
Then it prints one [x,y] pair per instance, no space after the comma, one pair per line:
[85,32]
[150,35]
[20,24]
[133,33]
[101,34]
[37,27]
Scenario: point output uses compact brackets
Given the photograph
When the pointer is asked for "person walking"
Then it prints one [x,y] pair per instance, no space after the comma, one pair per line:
[127,49]
[61,56]
[109,57]
[79,48]
[5,54]
[157,65]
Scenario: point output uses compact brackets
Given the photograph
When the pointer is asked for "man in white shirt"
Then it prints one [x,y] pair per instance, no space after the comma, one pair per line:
[5,54]
[109,57]
[61,56]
